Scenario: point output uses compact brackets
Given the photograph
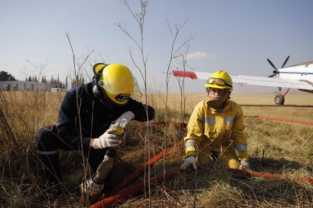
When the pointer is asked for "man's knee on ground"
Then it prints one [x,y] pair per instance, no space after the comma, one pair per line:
[45,141]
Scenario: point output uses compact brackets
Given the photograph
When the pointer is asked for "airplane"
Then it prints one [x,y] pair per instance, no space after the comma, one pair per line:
[299,76]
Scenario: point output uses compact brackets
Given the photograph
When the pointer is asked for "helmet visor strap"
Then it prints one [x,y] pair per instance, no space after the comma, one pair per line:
[219,82]
[122,97]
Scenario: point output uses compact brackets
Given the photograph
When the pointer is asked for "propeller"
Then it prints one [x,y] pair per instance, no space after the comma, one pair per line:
[275,68]
[285,62]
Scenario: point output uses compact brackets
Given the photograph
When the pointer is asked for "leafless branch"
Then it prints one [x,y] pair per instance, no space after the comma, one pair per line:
[129,35]
[85,60]
[136,65]
[175,32]
[78,104]
[184,44]
[73,52]
[140,19]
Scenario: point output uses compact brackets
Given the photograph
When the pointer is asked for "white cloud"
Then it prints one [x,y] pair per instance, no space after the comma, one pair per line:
[197,55]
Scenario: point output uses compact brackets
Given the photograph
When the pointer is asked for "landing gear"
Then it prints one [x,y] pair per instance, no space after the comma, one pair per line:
[279,99]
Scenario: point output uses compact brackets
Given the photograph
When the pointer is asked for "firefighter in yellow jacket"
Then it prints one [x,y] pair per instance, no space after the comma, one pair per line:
[215,129]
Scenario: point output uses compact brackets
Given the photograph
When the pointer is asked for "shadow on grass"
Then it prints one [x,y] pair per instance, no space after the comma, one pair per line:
[217,185]
[273,165]
[284,193]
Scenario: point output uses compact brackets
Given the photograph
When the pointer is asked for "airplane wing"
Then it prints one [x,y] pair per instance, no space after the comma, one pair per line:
[251,80]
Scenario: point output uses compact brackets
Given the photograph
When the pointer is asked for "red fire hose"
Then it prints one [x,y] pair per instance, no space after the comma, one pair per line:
[133,190]
[139,171]
[270,176]
[121,195]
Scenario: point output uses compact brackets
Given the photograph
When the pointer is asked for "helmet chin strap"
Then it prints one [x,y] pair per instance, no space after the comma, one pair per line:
[101,95]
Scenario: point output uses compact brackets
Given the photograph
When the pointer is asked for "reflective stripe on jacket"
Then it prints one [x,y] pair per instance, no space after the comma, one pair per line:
[216,130]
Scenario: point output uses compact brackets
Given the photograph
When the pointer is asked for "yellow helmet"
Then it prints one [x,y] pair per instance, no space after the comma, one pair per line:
[118,83]
[220,80]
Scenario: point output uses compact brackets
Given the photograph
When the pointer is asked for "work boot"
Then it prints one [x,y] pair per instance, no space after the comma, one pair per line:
[90,191]
[92,188]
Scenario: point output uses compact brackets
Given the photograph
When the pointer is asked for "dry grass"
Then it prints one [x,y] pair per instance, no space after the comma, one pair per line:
[297,105]
[277,148]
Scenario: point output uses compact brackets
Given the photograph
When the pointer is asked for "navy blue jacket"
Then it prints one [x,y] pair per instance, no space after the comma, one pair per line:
[95,115]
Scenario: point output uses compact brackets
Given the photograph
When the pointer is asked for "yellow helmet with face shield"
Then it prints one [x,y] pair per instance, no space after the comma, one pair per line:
[118,83]
[220,80]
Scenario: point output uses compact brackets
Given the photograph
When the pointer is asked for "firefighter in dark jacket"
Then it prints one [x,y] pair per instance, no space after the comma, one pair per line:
[85,115]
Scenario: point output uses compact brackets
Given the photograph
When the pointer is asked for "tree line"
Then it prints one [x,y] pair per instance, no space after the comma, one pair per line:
[56,82]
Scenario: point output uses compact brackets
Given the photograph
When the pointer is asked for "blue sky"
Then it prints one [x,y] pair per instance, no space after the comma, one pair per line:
[236,35]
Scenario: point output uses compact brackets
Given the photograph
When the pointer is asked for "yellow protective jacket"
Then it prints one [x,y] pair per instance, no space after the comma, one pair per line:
[211,130]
